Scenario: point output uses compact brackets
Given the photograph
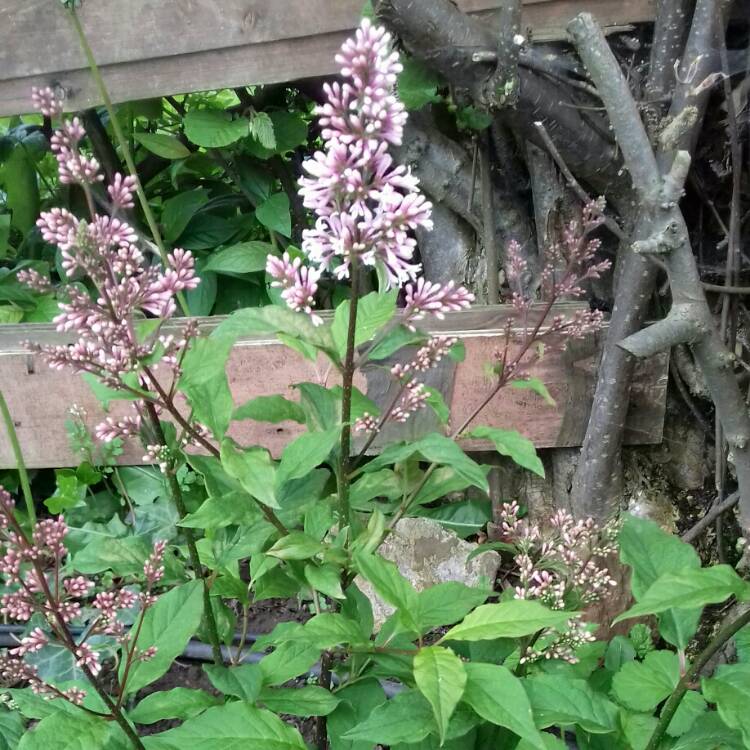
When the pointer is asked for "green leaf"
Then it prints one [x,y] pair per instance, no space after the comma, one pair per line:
[556,699]
[446,603]
[305,453]
[295,546]
[619,651]
[691,708]
[417,84]
[637,729]
[178,211]
[358,700]
[244,682]
[168,625]
[67,731]
[710,733]
[498,696]
[213,128]
[274,214]
[161,144]
[689,589]
[439,674]
[11,729]
[536,385]
[204,382]
[514,618]
[437,403]
[729,689]
[222,510]
[394,340]
[124,557]
[389,584]
[374,310]
[253,468]
[290,131]
[326,579]
[177,703]
[234,726]
[310,700]
[272,409]
[651,552]
[641,686]
[261,128]
[330,629]
[288,661]
[511,443]
[245,257]
[463,518]
[69,493]
[490,547]
[405,718]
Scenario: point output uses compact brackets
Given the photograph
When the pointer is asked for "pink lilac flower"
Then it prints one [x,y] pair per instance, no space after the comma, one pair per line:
[46,101]
[366,423]
[437,299]
[299,283]
[414,398]
[36,640]
[121,191]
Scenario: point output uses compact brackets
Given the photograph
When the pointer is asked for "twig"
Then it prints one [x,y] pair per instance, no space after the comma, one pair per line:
[488,223]
[23,475]
[716,510]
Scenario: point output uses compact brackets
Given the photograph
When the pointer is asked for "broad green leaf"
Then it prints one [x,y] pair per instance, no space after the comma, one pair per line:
[309,700]
[443,481]
[234,726]
[374,310]
[491,547]
[358,701]
[512,444]
[177,703]
[536,385]
[641,686]
[213,128]
[437,449]
[440,677]
[417,84]
[244,681]
[245,257]
[446,603]
[330,629]
[326,579]
[556,699]
[692,708]
[619,651]
[651,552]
[437,403]
[463,518]
[405,718]
[710,733]
[290,131]
[395,339]
[514,618]
[389,584]
[689,589]
[253,468]
[105,395]
[178,211]
[637,729]
[168,625]
[204,383]
[288,661]
[305,453]
[729,689]
[161,144]
[295,546]
[321,406]
[261,128]
[497,695]
[274,214]
[272,409]
[67,731]
[124,557]
[222,510]
[11,729]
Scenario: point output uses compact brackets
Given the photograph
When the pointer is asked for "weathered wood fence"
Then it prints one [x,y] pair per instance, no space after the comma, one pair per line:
[39,398]
[150,48]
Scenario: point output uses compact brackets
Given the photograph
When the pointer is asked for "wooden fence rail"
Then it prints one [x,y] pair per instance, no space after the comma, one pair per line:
[39,398]
[149,48]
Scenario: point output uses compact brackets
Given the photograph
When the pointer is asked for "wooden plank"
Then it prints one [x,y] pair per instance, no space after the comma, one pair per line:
[39,398]
[157,47]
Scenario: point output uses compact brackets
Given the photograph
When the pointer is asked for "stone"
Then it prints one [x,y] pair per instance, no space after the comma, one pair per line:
[426,553]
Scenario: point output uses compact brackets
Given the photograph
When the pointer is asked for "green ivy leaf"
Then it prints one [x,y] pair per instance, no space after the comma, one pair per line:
[498,696]
[439,674]
[261,128]
[643,685]
[213,128]
[710,733]
[729,689]
[512,444]
[245,257]
[514,618]
[222,510]
[417,84]
[161,144]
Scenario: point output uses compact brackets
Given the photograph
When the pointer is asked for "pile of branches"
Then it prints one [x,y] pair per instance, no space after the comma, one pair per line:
[655,120]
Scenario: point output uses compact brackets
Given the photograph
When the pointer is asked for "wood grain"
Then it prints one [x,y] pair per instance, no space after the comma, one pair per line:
[152,48]
[39,398]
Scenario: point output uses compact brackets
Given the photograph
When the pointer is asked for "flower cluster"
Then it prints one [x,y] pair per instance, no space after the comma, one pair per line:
[32,569]
[563,566]
[128,288]
[367,207]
